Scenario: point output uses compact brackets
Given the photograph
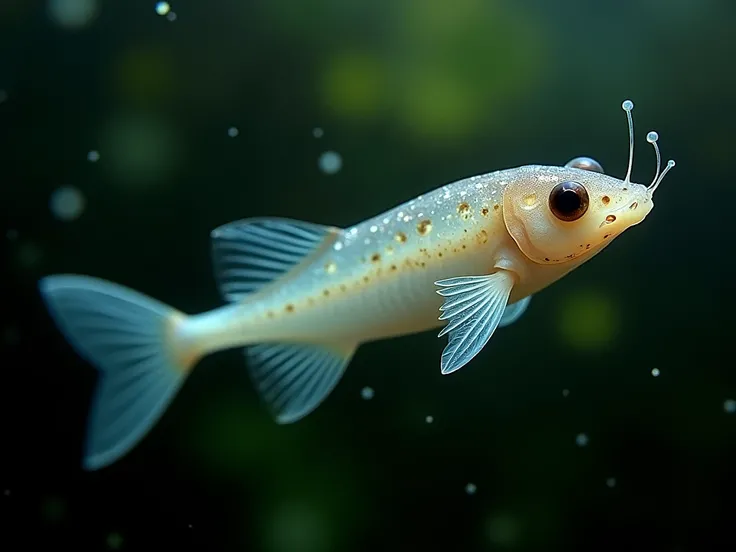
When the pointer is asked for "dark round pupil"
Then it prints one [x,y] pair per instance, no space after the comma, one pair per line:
[568,201]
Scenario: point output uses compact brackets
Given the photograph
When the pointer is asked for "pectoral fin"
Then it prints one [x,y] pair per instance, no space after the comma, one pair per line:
[514,312]
[473,307]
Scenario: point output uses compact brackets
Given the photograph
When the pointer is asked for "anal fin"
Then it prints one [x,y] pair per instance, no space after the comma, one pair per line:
[293,378]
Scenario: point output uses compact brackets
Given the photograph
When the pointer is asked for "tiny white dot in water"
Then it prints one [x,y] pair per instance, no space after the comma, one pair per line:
[337,246]
[93,156]
[581,440]
[429,419]
[470,488]
[565,393]
[611,482]
[67,203]
[729,406]
[162,8]
[171,16]
[655,372]
[318,132]
[232,132]
[366,393]
[374,228]
[330,162]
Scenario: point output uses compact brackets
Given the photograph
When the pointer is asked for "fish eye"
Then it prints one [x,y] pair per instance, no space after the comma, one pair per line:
[568,201]
[585,163]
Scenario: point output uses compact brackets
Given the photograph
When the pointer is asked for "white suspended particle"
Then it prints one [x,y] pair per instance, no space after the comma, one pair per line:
[655,372]
[337,246]
[318,132]
[429,419]
[67,203]
[581,440]
[330,162]
[374,228]
[162,8]
[565,393]
[611,482]
[729,406]
[367,393]
[232,132]
[171,16]
[470,488]
[93,156]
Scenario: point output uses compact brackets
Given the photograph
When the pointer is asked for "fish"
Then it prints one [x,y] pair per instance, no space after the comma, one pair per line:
[301,297]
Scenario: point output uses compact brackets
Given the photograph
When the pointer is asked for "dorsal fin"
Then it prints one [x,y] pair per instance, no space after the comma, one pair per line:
[251,253]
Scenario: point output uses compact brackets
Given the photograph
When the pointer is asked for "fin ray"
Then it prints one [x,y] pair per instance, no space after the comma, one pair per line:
[252,253]
[127,337]
[294,379]
[474,308]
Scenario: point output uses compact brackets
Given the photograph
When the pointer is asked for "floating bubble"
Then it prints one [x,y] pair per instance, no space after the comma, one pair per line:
[171,16]
[93,156]
[565,393]
[429,419]
[611,482]
[470,488]
[581,440]
[655,372]
[318,132]
[72,14]
[729,405]
[162,8]
[67,203]
[367,393]
[330,162]
[232,132]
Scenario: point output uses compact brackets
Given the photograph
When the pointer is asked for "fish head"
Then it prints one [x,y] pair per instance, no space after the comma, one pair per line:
[560,214]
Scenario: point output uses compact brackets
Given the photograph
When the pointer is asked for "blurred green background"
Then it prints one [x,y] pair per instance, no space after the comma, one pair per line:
[602,420]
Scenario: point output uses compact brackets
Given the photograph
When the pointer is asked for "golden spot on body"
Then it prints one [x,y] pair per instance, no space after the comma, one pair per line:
[400,237]
[376,257]
[587,246]
[439,254]
[343,287]
[484,211]
[546,259]
[634,206]
[423,264]
[625,189]
[464,246]
[606,200]
[289,308]
[464,211]
[606,236]
[366,279]
[496,207]
[611,218]
[330,267]
[326,292]
[393,267]
[482,237]
[530,200]
[424,227]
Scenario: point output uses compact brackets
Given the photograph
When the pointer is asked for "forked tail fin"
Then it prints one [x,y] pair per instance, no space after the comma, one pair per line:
[133,341]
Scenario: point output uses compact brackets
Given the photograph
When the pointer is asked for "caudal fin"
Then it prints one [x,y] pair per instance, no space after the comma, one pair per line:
[132,340]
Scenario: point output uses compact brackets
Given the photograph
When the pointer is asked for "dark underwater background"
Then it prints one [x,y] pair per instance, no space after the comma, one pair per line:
[603,420]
